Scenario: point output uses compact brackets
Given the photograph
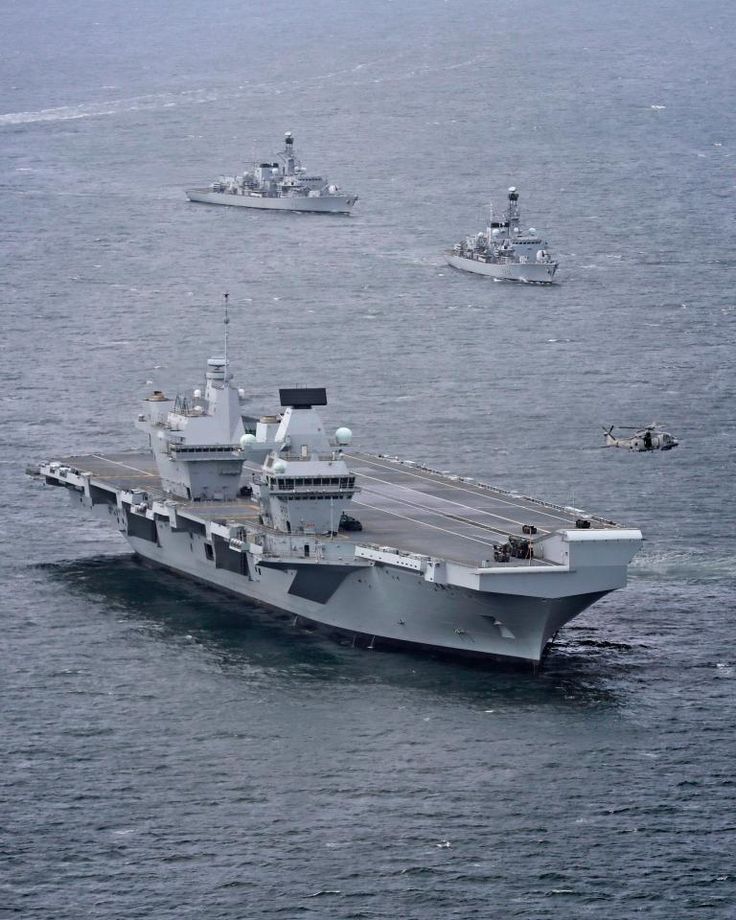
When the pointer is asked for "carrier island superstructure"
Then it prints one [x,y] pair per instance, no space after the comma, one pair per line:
[383,551]
[282,184]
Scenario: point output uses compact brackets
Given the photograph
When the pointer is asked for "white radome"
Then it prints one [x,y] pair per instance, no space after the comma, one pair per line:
[343,436]
[247,440]
[197,394]
[278,467]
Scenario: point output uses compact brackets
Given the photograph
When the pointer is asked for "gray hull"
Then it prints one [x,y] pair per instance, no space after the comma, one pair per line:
[445,589]
[324,204]
[401,607]
[391,605]
[527,272]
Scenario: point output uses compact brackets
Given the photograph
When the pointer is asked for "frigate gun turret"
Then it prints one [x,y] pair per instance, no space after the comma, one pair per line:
[282,184]
[505,251]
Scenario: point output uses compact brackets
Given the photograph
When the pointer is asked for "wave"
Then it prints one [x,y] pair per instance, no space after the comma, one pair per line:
[109,107]
[678,565]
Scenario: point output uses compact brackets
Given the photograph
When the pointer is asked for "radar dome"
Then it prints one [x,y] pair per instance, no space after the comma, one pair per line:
[532,231]
[512,189]
[343,436]
[278,467]
[197,394]
[241,392]
[247,440]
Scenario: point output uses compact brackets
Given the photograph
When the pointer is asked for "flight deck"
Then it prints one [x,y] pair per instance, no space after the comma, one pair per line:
[399,503]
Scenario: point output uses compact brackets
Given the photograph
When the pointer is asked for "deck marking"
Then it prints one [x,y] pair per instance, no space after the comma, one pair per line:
[492,514]
[438,478]
[424,524]
[126,465]
[433,511]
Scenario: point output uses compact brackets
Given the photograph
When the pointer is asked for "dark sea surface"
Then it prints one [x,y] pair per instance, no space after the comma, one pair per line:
[169,752]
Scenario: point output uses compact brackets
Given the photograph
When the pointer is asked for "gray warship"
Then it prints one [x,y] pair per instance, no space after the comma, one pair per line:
[382,550]
[280,185]
[505,251]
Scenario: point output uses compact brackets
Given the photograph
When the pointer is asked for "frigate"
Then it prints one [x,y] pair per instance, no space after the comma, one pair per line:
[282,184]
[382,550]
[505,251]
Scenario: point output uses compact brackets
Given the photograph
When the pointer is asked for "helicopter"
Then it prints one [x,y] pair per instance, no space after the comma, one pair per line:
[651,437]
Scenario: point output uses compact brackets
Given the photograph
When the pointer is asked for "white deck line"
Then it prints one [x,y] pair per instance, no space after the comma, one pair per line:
[538,565]
[475,510]
[126,465]
[437,513]
[434,477]
[405,517]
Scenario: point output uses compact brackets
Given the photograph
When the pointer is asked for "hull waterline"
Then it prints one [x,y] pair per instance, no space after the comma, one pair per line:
[529,273]
[332,204]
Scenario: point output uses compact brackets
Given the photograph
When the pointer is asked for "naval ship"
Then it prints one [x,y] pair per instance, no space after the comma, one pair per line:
[505,251]
[384,551]
[282,185]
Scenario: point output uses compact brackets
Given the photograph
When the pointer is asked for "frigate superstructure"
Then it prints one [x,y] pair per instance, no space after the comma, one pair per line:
[282,184]
[258,505]
[505,251]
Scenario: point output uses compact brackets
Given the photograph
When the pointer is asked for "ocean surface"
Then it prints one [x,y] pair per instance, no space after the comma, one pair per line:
[172,753]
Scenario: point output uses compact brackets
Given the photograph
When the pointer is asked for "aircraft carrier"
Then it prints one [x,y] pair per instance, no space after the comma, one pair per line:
[279,185]
[382,550]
